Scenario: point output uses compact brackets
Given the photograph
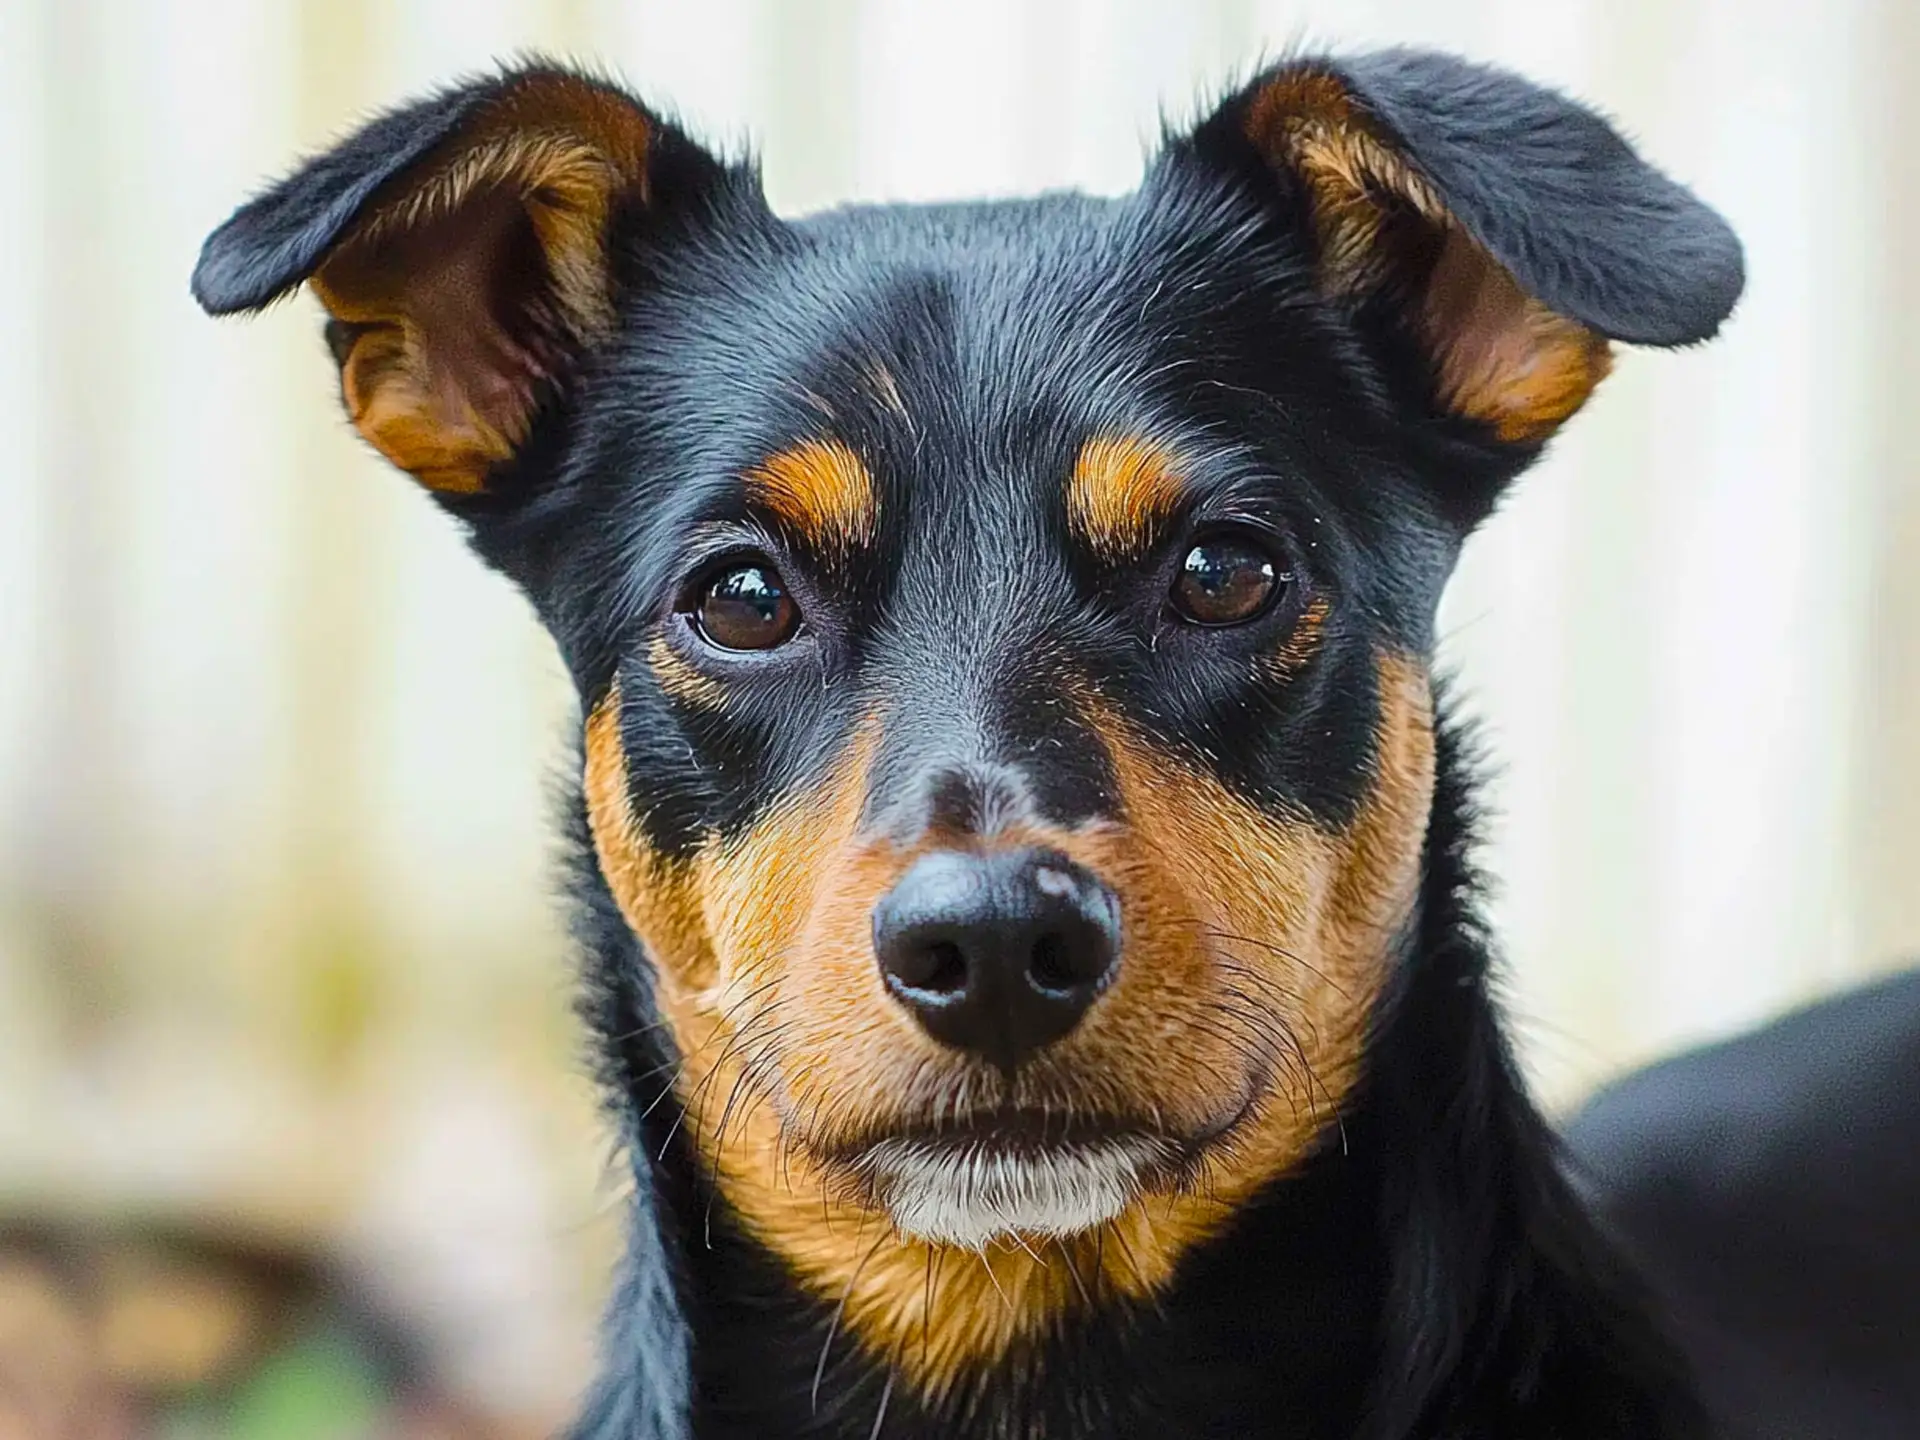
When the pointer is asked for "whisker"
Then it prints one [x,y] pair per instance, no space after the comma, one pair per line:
[840,1310]
[732,1044]
[926,1309]
[719,1148]
[1034,1255]
[1060,1244]
[680,1070]
[886,1394]
[1267,983]
[742,1002]
[665,1090]
[985,1264]
[637,1031]
[1284,954]
[1133,1264]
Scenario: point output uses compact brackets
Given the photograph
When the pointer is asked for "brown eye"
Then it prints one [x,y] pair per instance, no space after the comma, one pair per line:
[746,607]
[1225,580]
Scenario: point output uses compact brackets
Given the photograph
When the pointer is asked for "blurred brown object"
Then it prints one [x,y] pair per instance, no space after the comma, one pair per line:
[100,1328]
[49,1382]
[116,1332]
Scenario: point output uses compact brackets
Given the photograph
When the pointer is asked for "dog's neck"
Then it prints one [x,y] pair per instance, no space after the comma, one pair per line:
[1393,1286]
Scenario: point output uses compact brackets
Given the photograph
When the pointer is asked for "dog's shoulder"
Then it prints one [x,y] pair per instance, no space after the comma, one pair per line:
[1770,1187]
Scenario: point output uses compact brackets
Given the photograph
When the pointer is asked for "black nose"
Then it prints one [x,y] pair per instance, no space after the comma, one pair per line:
[1000,953]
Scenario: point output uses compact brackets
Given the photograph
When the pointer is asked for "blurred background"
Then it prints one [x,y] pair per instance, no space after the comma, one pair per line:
[292,1137]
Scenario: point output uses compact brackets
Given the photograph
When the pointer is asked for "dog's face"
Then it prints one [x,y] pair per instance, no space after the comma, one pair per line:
[1002,630]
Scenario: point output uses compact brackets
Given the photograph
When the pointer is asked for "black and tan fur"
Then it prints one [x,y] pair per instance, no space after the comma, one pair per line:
[1334,321]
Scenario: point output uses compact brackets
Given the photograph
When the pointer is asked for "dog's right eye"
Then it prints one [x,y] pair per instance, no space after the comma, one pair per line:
[745,607]
[1226,579]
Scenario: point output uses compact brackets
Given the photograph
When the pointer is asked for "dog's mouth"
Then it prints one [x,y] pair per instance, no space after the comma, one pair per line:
[999,1175]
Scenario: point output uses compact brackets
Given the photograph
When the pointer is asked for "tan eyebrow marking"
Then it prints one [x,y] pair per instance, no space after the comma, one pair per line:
[822,490]
[1122,490]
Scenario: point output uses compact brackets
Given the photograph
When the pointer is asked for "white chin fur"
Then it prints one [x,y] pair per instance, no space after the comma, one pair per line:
[968,1198]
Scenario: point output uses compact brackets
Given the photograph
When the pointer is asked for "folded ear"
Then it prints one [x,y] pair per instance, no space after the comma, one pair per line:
[460,246]
[1506,231]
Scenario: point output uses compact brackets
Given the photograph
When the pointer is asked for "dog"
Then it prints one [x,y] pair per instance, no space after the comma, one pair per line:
[1770,1187]
[1024,861]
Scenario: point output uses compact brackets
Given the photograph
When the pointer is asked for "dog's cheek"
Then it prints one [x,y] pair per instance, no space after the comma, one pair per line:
[722,926]
[1292,929]
[1364,885]
[1379,853]
[755,970]
[1206,986]
[762,897]
[655,892]
[854,1050]
[768,997]
[1157,1042]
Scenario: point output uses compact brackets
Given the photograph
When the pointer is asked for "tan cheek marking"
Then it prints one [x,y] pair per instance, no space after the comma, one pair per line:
[1123,488]
[1501,356]
[1334,901]
[681,680]
[1301,645]
[654,894]
[822,490]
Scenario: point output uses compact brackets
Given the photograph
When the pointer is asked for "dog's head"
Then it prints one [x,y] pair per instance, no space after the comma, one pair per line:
[1002,629]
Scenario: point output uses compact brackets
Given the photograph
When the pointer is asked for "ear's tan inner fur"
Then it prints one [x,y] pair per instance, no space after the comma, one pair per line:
[433,376]
[1500,356]
[765,976]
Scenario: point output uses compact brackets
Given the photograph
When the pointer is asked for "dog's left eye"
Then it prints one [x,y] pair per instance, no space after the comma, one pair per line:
[1226,580]
[745,607]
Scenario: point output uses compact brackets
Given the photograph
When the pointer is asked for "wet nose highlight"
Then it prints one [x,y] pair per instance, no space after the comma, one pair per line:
[997,953]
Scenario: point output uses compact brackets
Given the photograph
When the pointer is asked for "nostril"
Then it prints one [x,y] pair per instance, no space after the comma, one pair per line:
[1070,960]
[926,966]
[945,967]
[1049,965]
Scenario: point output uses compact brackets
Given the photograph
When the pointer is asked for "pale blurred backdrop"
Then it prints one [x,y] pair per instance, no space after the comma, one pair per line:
[277,950]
